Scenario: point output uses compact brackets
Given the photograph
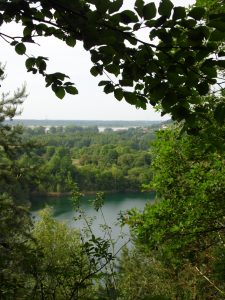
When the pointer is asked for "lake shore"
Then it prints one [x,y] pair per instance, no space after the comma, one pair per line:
[85,193]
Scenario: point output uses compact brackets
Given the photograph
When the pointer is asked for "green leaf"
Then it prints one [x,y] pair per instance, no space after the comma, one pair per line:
[13,43]
[149,11]
[139,5]
[209,71]
[218,24]
[174,78]
[179,12]
[128,16]
[126,82]
[164,36]
[20,48]
[192,79]
[165,8]
[71,41]
[136,26]
[219,113]
[94,71]
[114,69]
[130,97]
[221,63]
[197,13]
[27,31]
[59,75]
[118,93]
[217,36]
[30,62]
[109,88]
[71,90]
[115,6]
[103,82]
[203,88]
[150,23]
[221,53]
[190,23]
[102,5]
[60,92]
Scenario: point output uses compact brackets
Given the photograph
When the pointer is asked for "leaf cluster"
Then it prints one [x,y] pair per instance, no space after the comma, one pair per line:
[181,60]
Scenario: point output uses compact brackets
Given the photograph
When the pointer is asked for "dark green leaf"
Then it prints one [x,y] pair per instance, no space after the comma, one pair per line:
[71,41]
[188,23]
[219,113]
[130,97]
[114,69]
[218,24]
[115,6]
[149,11]
[139,5]
[20,48]
[103,82]
[165,8]
[71,90]
[159,91]
[174,78]
[217,36]
[203,88]
[60,92]
[102,5]
[221,53]
[94,71]
[128,16]
[13,43]
[192,79]
[27,31]
[221,63]
[109,88]
[179,12]
[150,23]
[59,76]
[136,26]
[126,82]
[30,62]
[197,13]
[209,71]
[190,60]
[118,93]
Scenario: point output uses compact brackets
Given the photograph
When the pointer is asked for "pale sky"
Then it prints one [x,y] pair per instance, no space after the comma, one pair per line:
[90,104]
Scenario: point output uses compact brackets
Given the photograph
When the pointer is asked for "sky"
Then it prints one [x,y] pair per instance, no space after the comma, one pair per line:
[90,104]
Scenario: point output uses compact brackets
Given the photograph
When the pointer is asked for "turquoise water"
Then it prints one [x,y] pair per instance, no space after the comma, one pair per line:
[114,205]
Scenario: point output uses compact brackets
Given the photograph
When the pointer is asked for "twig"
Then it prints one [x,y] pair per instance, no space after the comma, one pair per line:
[211,283]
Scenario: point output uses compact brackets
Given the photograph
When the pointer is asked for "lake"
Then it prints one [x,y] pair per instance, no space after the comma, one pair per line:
[114,204]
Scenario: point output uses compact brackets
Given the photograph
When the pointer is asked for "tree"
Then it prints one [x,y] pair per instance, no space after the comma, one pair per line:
[16,175]
[182,60]
[60,270]
[185,227]
[212,6]
[15,255]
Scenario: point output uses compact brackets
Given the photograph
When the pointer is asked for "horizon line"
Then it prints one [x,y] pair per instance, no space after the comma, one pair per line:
[114,120]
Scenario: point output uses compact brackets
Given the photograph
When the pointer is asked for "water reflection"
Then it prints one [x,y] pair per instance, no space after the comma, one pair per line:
[114,204]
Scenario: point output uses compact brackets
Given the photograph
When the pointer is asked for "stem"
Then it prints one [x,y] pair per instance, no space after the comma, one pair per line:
[210,282]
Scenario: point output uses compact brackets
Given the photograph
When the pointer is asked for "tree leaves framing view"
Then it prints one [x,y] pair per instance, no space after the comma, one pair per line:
[181,60]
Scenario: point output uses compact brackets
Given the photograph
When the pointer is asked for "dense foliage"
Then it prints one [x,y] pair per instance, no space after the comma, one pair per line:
[180,60]
[107,161]
[184,229]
